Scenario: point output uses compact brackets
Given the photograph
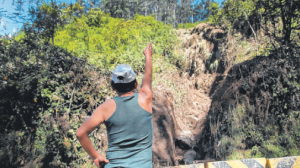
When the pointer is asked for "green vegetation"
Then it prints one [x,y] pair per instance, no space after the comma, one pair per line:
[252,141]
[49,90]
[273,146]
[259,114]
[233,12]
[105,41]
[45,96]
[279,19]
[51,79]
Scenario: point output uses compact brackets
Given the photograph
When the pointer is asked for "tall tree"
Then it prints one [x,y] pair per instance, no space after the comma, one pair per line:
[116,8]
[201,9]
[46,18]
[69,12]
[167,11]
[285,11]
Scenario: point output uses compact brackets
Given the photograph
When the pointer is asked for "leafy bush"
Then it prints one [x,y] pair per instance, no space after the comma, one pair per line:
[232,14]
[216,13]
[257,108]
[107,41]
[45,94]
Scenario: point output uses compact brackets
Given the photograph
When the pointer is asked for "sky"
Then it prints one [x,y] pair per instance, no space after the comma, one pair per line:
[12,25]
[6,25]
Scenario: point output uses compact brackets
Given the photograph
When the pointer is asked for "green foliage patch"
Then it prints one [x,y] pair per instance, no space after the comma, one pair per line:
[106,41]
[233,14]
[45,94]
[256,112]
[48,91]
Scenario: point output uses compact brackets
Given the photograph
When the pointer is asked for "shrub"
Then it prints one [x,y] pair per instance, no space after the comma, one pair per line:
[257,108]
[105,41]
[45,94]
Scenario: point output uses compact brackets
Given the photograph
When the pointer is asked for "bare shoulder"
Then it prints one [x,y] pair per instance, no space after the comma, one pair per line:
[106,109]
[108,104]
[98,117]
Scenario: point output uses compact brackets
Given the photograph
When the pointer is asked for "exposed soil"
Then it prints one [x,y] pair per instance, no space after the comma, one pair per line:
[179,114]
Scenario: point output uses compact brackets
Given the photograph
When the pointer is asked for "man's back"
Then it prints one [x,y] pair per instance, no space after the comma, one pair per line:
[129,131]
[128,119]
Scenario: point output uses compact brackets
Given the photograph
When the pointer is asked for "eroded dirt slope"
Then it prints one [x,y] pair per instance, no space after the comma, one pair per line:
[180,108]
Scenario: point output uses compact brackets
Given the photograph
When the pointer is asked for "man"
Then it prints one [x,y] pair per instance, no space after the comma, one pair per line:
[128,119]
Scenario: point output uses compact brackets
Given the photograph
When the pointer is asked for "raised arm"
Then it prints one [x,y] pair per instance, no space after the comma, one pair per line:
[147,80]
[145,96]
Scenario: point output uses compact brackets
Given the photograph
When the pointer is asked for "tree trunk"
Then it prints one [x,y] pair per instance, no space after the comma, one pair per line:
[192,14]
[52,33]
[145,8]
[252,31]
[129,5]
[165,15]
[174,15]
[155,13]
[52,39]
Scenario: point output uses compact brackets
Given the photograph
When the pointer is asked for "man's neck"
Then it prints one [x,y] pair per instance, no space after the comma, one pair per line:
[125,94]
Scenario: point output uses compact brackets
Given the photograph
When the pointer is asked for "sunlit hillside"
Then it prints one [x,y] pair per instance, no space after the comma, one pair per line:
[225,87]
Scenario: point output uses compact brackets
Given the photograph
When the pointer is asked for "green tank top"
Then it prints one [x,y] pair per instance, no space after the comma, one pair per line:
[130,135]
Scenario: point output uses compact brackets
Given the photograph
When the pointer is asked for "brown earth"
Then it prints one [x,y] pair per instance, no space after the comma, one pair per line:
[182,100]
[179,112]
[223,70]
